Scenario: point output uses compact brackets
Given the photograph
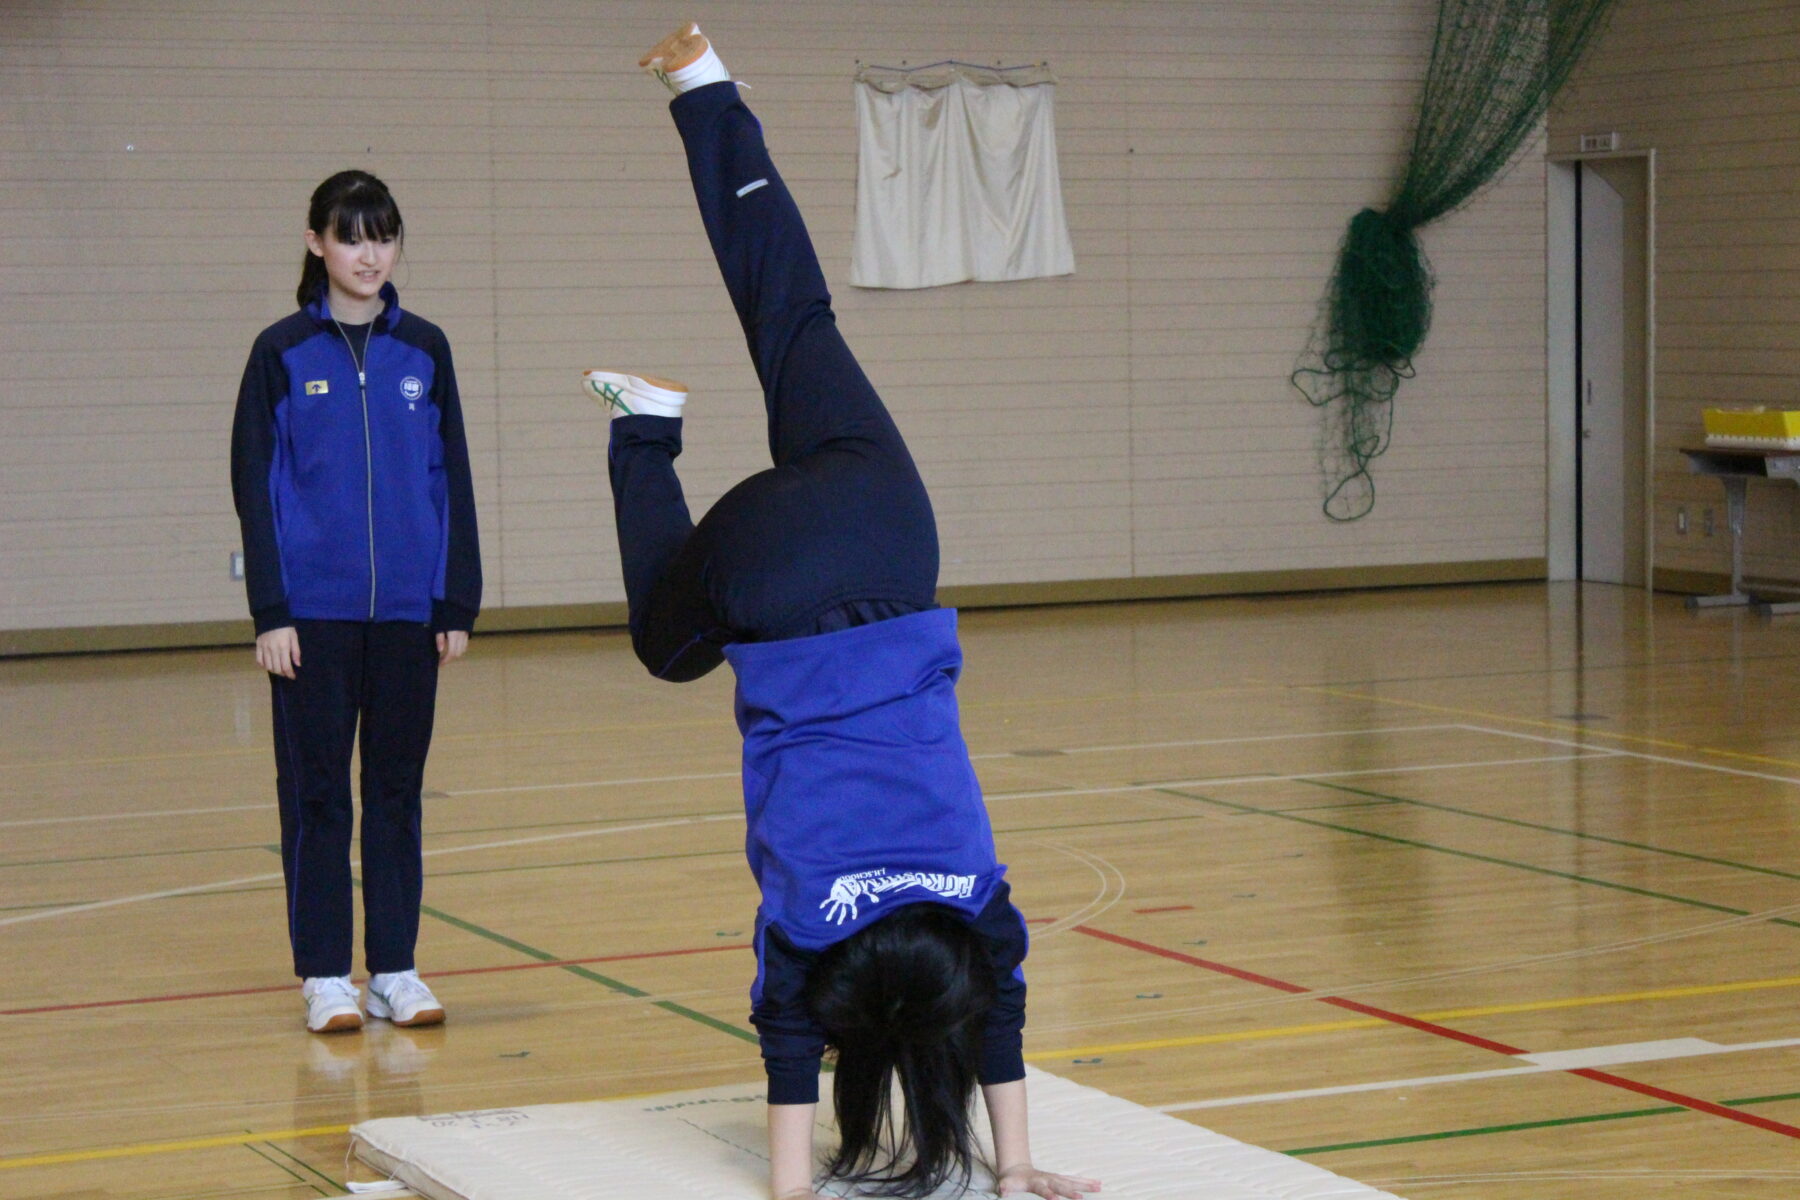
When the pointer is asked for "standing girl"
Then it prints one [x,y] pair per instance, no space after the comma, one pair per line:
[351,477]
[886,930]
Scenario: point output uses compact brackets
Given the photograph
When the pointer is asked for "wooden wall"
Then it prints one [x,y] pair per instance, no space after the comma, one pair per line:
[1130,424]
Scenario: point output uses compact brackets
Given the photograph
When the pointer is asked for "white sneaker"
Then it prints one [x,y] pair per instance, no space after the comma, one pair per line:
[403,998]
[635,395]
[685,60]
[331,1004]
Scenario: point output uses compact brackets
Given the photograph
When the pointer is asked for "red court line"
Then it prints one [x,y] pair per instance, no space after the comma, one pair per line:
[1166,908]
[1424,1026]
[1191,960]
[263,991]
[1432,1027]
[1705,1106]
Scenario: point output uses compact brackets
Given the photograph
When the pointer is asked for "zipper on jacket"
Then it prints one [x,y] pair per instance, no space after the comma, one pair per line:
[362,383]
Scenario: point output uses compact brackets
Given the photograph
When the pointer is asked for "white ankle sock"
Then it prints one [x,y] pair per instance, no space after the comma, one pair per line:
[647,399]
[702,71]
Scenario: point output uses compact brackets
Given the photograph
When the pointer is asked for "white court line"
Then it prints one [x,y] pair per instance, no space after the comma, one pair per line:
[1112,888]
[1539,1064]
[1231,780]
[130,816]
[1657,758]
[1216,781]
[194,889]
[1267,737]
[1594,751]
[587,783]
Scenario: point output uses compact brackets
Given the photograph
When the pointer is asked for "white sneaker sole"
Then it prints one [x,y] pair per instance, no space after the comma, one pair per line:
[425,1016]
[342,1022]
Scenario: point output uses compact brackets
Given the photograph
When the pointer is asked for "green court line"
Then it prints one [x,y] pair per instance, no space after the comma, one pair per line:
[1775,1099]
[680,1010]
[1574,833]
[339,1189]
[1472,856]
[1329,807]
[300,1179]
[1482,1130]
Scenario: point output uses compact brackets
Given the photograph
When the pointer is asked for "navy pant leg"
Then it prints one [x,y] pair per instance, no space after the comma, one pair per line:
[813,387]
[399,702]
[842,516]
[674,629]
[315,729]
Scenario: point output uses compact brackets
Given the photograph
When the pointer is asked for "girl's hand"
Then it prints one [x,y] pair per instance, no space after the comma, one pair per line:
[278,651]
[452,645]
[1025,1179]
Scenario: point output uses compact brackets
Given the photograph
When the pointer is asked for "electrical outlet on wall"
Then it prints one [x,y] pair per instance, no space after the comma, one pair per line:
[237,564]
[1681,521]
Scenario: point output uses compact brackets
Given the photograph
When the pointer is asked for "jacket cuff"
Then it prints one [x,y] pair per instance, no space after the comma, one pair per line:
[802,1086]
[1001,1064]
[271,616]
[447,615]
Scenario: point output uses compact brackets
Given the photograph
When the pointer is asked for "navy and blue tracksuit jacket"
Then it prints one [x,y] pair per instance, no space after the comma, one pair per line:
[352,487]
[859,797]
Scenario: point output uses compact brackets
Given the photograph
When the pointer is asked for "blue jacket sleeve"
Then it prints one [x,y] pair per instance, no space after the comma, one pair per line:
[1002,928]
[458,607]
[793,1045]
[253,436]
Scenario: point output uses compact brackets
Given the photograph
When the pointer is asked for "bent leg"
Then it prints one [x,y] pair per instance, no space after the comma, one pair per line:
[674,629]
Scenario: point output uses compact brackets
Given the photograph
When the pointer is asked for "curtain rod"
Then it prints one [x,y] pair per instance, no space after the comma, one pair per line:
[951,62]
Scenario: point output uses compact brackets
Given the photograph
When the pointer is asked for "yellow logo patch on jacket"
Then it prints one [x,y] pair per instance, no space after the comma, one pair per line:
[318,387]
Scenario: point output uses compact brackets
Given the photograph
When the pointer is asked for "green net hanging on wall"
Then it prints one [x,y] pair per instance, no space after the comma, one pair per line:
[1495,64]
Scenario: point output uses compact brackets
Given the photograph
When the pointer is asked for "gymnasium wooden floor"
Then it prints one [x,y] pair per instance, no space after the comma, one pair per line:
[1313,871]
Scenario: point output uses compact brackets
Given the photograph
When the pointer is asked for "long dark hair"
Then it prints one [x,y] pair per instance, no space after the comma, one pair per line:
[905,998]
[354,205]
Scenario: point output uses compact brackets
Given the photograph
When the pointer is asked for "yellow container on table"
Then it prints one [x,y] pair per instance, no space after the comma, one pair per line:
[1753,428]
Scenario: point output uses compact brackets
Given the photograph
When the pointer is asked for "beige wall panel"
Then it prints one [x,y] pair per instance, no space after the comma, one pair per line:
[1132,420]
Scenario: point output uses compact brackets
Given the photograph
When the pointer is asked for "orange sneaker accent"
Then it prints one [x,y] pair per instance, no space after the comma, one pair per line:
[680,49]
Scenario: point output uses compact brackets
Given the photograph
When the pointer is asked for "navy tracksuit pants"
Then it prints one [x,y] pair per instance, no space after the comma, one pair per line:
[839,531]
[379,677]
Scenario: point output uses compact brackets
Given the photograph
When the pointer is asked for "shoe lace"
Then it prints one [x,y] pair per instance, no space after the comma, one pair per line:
[406,988]
[334,988]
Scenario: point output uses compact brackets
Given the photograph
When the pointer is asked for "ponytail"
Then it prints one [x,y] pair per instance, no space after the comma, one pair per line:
[353,205]
[904,999]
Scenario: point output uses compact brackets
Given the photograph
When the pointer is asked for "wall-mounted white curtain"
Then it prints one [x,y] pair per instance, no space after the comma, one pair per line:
[956,177]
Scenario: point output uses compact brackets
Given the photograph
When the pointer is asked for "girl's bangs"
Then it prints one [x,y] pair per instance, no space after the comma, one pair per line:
[366,213]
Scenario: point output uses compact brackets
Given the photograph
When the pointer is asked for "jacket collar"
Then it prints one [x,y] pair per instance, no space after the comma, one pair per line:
[385,321]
